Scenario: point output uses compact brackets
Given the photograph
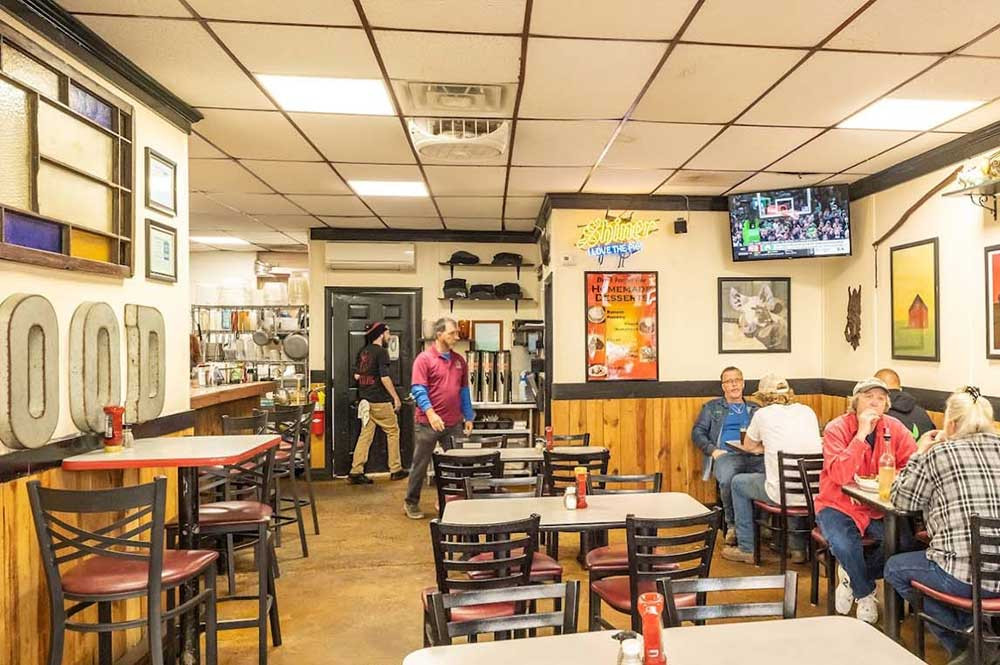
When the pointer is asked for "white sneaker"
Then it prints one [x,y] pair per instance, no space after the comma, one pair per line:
[843,596]
[868,608]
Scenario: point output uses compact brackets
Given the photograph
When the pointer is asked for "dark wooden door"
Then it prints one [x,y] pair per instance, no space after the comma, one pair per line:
[349,311]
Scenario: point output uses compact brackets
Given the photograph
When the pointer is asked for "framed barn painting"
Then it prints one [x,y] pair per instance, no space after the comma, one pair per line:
[915,301]
[993,302]
[755,315]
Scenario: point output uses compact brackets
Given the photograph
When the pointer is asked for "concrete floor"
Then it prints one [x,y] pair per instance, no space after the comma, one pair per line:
[356,599]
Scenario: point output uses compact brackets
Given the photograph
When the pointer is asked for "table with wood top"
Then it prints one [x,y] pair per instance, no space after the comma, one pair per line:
[186,454]
[832,640]
[891,601]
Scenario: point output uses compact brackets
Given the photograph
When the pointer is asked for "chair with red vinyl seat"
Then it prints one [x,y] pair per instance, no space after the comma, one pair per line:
[450,472]
[459,566]
[985,554]
[790,491]
[121,560]
[675,548]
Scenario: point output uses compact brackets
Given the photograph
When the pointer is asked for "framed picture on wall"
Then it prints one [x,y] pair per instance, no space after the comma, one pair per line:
[993,302]
[755,315]
[161,183]
[915,301]
[621,326]
[161,252]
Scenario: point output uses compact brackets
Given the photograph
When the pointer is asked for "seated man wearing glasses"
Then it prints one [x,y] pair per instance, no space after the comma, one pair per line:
[954,474]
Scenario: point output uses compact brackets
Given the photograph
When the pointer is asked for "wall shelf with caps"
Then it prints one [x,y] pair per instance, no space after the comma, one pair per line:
[495,266]
[451,301]
[981,195]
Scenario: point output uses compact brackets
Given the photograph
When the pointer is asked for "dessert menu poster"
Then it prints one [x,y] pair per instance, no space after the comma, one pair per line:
[621,319]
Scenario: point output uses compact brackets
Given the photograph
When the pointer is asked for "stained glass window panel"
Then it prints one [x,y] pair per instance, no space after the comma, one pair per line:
[90,246]
[87,105]
[29,71]
[29,232]
[15,147]
[67,196]
[64,138]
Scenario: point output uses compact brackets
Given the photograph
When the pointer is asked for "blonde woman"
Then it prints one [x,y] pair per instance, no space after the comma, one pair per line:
[954,474]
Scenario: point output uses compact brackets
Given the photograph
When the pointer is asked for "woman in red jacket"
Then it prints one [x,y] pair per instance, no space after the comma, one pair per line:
[852,445]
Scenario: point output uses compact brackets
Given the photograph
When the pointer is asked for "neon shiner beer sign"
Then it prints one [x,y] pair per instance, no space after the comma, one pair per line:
[619,236]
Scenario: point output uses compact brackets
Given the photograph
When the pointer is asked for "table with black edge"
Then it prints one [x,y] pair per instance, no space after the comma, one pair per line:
[187,454]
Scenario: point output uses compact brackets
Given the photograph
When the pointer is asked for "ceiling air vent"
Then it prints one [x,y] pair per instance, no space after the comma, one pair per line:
[465,98]
[459,139]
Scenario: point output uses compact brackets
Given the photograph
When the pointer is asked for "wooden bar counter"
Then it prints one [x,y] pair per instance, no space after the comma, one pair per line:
[211,403]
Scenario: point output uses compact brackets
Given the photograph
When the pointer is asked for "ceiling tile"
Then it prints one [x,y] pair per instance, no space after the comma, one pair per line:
[402,206]
[222,175]
[472,224]
[357,138]
[300,51]
[988,45]
[265,237]
[299,177]
[839,149]
[379,172]
[470,206]
[919,145]
[712,83]
[561,143]
[452,15]
[198,247]
[829,87]
[926,26]
[331,205]
[657,145]
[843,178]
[183,57]
[763,181]
[702,183]
[289,222]
[199,148]
[323,12]
[772,23]
[451,58]
[625,19]
[466,180]
[520,224]
[354,222]
[413,223]
[973,120]
[254,135]
[265,204]
[750,148]
[200,222]
[127,7]
[207,204]
[957,78]
[527,180]
[625,181]
[523,206]
[582,78]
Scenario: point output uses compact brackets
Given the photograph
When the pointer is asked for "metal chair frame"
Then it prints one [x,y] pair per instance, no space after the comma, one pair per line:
[784,609]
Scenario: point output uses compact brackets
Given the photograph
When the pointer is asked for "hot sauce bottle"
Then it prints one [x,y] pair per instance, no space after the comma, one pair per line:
[581,486]
[650,610]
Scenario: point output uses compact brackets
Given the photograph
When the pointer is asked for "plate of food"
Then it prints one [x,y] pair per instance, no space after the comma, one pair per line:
[867,483]
[596,314]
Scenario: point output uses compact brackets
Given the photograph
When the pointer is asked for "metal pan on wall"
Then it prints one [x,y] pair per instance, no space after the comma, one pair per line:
[296,346]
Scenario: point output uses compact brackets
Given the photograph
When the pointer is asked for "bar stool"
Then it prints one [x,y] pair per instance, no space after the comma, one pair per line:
[231,425]
[287,422]
[121,565]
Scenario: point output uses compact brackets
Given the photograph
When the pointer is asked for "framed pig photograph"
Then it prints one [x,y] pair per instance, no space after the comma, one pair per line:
[755,315]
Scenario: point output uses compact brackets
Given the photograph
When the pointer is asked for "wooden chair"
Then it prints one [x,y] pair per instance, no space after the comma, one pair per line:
[450,472]
[123,559]
[985,567]
[565,597]
[657,548]
[673,615]
[560,472]
[609,560]
[790,490]
[509,549]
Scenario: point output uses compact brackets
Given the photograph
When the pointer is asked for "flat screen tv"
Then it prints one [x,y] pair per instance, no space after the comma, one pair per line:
[790,223]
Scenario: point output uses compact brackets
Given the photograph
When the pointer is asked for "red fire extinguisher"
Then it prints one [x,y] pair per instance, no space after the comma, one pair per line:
[318,416]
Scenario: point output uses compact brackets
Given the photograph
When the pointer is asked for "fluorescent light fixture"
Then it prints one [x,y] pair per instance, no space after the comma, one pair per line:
[388,187]
[319,94]
[914,114]
[218,240]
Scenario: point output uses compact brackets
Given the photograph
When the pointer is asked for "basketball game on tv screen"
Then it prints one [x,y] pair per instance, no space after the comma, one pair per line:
[790,223]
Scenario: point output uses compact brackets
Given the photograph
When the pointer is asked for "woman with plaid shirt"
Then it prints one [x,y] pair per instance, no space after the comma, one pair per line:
[954,474]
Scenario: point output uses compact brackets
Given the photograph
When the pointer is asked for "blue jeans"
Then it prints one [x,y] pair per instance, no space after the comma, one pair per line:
[901,569]
[863,567]
[747,488]
[727,466]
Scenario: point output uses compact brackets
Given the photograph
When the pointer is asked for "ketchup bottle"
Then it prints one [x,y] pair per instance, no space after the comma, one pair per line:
[650,610]
[581,486]
[549,441]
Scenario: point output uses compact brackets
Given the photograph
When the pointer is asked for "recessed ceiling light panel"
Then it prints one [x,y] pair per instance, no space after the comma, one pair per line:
[911,114]
[388,187]
[318,94]
[219,240]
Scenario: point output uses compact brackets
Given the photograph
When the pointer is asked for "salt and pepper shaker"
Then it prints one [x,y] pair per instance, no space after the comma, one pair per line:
[629,648]
[569,498]
[128,440]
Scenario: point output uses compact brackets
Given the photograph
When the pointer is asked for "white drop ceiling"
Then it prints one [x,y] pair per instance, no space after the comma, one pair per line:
[612,96]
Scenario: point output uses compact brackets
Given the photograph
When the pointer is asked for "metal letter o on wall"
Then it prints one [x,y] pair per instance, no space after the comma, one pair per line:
[29,371]
[95,378]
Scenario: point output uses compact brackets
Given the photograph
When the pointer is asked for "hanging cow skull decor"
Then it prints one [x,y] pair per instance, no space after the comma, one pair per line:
[852,331]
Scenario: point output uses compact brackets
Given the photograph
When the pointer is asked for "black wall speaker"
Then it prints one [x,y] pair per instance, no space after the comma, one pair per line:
[680,225]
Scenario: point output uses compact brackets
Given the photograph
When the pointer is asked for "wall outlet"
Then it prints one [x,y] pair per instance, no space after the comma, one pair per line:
[566,259]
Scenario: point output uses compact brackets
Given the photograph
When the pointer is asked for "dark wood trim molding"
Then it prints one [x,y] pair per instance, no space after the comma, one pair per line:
[422,235]
[65,31]
[317,376]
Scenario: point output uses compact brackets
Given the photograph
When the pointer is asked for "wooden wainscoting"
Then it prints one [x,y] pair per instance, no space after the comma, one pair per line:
[24,605]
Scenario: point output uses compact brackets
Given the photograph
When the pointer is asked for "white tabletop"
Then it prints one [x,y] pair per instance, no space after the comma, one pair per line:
[602,510]
[831,640]
[522,454]
[177,451]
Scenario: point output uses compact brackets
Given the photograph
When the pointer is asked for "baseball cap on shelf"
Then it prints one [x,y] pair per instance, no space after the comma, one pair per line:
[464,258]
[772,383]
[481,292]
[507,259]
[508,291]
[867,384]
[455,288]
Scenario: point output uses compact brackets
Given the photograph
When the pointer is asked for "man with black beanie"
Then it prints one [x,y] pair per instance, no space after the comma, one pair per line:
[904,406]
[375,386]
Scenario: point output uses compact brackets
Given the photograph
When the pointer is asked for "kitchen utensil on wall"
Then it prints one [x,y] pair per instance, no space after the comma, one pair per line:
[296,346]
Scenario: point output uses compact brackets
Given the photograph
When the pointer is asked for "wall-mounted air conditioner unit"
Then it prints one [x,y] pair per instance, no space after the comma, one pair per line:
[399,256]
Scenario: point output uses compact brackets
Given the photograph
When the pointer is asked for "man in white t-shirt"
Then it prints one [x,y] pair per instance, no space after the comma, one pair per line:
[782,425]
